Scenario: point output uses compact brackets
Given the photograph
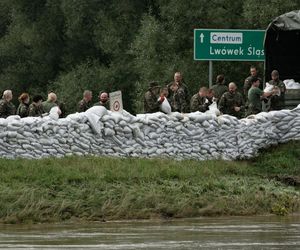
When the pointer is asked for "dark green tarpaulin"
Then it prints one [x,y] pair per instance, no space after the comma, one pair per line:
[282,46]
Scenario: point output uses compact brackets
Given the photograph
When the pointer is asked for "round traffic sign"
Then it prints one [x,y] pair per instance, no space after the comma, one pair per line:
[116,106]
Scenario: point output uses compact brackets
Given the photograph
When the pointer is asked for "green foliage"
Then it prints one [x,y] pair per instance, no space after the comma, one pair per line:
[95,77]
[4,17]
[85,76]
[126,43]
[284,162]
[258,14]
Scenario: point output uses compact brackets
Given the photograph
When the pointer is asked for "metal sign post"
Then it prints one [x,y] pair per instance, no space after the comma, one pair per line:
[210,73]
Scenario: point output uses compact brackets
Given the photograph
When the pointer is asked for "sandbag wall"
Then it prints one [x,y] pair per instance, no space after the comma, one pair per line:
[189,136]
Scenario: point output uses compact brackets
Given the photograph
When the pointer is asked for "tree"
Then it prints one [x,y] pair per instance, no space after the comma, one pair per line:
[71,45]
[258,14]
[32,46]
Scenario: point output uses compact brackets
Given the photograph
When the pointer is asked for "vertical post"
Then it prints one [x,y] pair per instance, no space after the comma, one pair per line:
[264,75]
[210,74]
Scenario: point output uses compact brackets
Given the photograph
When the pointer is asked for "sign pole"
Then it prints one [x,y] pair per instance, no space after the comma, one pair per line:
[264,74]
[210,73]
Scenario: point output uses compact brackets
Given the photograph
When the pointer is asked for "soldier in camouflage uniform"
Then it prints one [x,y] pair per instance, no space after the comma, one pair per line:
[255,96]
[277,102]
[199,102]
[232,102]
[211,96]
[7,108]
[152,99]
[182,94]
[103,100]
[219,88]
[86,102]
[35,108]
[177,98]
[173,97]
[23,108]
[247,83]
[50,103]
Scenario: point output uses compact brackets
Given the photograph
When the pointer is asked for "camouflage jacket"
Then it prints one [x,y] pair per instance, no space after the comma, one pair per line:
[23,110]
[177,101]
[230,100]
[47,106]
[151,103]
[6,108]
[277,102]
[199,103]
[106,104]
[182,97]
[35,110]
[219,90]
[83,105]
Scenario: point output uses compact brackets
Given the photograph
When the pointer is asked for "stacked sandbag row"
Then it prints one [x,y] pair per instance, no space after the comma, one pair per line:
[180,136]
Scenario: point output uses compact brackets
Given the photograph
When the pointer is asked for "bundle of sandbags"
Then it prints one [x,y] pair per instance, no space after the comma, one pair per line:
[291,84]
[101,132]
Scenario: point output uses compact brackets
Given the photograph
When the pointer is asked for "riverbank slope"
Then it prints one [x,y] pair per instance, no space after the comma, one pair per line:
[100,188]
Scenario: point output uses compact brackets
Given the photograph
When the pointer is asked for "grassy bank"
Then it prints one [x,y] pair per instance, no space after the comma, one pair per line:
[91,188]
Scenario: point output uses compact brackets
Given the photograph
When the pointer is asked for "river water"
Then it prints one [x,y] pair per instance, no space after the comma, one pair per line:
[262,232]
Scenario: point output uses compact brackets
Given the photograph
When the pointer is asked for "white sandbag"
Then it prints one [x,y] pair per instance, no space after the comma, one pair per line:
[108,132]
[127,130]
[54,113]
[95,123]
[269,88]
[116,117]
[12,118]
[165,106]
[96,110]
[79,117]
[213,109]
[129,118]
[3,122]
[198,117]
[291,84]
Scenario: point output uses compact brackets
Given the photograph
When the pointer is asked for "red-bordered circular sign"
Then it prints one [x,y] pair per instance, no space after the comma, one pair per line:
[116,106]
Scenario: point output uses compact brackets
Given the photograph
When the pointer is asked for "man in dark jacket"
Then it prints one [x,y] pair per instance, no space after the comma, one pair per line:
[247,83]
[152,100]
[219,88]
[255,96]
[199,102]
[277,101]
[86,101]
[103,100]
[7,108]
[35,108]
[182,92]
[232,102]
[50,103]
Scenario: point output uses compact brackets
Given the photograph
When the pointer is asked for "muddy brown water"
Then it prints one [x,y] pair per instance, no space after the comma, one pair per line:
[261,232]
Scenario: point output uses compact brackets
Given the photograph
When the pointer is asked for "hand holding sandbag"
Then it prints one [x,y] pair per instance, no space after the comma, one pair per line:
[165,105]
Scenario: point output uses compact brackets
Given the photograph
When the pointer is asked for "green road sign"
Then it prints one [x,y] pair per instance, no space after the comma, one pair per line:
[229,45]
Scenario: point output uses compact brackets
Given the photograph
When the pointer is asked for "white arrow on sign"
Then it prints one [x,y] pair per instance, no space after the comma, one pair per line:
[201,37]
